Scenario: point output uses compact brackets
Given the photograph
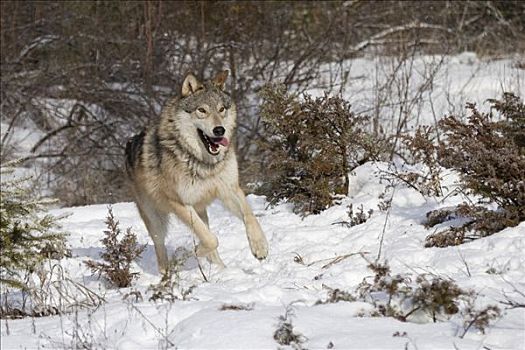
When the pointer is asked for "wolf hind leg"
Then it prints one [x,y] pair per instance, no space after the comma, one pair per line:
[156,222]
[214,256]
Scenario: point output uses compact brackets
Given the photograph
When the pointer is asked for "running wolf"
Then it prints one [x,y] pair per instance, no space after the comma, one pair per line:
[184,161]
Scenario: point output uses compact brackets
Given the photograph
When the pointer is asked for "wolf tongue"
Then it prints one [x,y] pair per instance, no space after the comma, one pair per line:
[221,141]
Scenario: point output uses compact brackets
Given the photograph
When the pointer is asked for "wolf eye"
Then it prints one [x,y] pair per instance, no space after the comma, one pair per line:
[202,110]
[221,110]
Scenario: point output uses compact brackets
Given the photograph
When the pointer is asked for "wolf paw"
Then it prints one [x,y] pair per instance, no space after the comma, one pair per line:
[202,251]
[205,249]
[259,247]
[215,258]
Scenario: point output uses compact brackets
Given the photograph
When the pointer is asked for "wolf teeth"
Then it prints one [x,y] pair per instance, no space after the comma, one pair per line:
[213,148]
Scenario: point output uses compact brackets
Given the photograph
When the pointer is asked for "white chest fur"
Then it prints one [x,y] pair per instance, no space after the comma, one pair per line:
[194,190]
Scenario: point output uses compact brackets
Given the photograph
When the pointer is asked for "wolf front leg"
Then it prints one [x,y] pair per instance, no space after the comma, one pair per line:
[214,256]
[235,201]
[189,216]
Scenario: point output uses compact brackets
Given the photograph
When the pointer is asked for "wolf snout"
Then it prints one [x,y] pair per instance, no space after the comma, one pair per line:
[219,131]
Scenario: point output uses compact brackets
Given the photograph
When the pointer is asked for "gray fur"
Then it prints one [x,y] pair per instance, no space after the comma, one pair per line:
[210,94]
[172,169]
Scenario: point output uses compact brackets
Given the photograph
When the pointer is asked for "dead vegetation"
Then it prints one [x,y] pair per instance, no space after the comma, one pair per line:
[237,307]
[285,333]
[120,251]
[488,152]
[420,298]
[314,143]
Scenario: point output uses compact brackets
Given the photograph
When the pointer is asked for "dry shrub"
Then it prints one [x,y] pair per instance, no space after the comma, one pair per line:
[488,152]
[436,296]
[385,292]
[237,307]
[479,319]
[422,149]
[313,143]
[416,298]
[285,334]
[439,216]
[481,222]
[165,290]
[489,155]
[407,298]
[336,295]
[169,288]
[118,255]
[357,218]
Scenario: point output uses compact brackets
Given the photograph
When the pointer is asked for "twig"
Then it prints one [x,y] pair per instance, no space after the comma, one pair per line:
[10,128]
[374,39]
[469,325]
[340,258]
[384,225]
[198,261]
[464,263]
[202,272]
[158,330]
[332,261]
[513,304]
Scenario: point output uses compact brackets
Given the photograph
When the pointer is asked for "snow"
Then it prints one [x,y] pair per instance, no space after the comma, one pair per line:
[269,287]
[423,87]
[307,255]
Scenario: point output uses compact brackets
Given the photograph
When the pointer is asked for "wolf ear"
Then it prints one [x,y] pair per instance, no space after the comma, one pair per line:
[190,85]
[220,79]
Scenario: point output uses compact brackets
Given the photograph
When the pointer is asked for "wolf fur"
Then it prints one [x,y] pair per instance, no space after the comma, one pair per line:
[181,164]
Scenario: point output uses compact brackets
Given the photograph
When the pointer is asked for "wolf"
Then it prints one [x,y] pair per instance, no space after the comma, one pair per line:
[184,161]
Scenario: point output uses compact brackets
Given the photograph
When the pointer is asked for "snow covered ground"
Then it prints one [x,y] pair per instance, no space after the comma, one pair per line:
[300,267]
[308,256]
[423,88]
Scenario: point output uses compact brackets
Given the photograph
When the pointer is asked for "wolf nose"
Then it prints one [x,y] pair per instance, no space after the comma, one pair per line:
[218,131]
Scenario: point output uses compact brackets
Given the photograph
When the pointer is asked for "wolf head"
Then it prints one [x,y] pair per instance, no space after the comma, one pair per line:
[204,120]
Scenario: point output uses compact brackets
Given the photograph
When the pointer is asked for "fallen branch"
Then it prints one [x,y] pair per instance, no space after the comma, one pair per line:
[375,39]
[332,261]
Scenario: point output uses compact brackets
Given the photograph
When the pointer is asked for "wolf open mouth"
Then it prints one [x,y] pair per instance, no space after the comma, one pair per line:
[212,143]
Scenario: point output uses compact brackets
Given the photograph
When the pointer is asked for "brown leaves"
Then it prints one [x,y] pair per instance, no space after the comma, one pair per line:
[489,156]
[314,143]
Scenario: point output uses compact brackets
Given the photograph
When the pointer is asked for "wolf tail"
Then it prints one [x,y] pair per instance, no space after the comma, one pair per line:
[133,151]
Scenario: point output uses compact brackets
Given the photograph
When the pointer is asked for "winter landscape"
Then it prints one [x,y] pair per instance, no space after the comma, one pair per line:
[359,273]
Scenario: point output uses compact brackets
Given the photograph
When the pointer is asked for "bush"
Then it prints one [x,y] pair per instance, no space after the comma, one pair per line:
[421,150]
[479,319]
[285,333]
[490,157]
[314,143]
[118,255]
[357,218]
[169,287]
[417,298]
[437,296]
[28,235]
